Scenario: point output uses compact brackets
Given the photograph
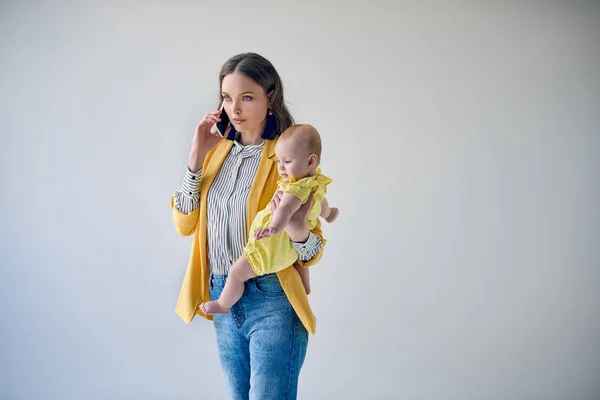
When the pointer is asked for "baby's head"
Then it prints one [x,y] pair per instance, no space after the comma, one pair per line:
[298,152]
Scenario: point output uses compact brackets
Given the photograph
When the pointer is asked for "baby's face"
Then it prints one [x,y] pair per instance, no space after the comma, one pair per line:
[292,160]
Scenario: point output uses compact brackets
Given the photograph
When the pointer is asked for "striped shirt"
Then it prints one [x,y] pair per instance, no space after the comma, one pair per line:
[227,214]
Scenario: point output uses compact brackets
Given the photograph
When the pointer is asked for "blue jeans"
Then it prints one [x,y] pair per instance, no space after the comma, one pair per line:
[262,343]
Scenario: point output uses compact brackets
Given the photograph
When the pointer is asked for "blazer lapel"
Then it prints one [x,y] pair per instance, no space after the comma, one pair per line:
[213,167]
[265,166]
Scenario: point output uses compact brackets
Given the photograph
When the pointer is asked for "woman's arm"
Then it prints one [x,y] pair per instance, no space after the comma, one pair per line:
[309,244]
[187,199]
[185,202]
[307,250]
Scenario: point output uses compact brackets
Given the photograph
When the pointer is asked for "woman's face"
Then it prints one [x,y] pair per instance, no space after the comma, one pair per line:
[245,102]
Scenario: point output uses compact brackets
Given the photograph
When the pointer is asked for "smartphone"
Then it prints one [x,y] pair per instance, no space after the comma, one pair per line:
[221,126]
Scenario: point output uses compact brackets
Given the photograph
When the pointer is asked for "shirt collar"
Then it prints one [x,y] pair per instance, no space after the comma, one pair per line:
[248,150]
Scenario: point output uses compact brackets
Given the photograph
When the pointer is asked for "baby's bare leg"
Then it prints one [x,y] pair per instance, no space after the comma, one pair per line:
[305,276]
[239,273]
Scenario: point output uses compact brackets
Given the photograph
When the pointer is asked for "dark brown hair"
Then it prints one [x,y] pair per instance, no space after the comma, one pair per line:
[261,71]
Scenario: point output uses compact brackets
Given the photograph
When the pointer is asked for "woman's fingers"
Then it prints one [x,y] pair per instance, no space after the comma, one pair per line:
[276,200]
[304,208]
[211,118]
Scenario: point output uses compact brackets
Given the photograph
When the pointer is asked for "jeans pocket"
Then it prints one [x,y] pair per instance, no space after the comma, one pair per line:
[268,286]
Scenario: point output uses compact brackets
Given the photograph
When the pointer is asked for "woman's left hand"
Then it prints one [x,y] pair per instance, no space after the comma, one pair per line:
[296,227]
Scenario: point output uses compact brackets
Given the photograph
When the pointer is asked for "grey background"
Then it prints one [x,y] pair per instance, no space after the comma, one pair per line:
[463,138]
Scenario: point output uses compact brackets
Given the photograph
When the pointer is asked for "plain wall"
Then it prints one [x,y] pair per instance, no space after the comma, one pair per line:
[463,140]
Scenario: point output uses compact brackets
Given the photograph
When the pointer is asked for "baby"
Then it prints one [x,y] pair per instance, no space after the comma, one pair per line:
[298,152]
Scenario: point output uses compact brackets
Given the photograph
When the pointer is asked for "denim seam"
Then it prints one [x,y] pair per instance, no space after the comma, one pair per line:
[287,392]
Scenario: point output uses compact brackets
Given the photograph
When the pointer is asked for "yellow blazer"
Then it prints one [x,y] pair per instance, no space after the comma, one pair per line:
[195,288]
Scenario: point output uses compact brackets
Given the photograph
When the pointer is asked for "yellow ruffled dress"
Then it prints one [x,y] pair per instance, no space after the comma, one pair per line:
[276,253]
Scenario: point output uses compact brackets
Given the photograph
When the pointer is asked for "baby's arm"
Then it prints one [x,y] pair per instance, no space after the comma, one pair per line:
[328,213]
[288,206]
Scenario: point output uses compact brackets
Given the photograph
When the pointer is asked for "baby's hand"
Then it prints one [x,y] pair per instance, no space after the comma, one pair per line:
[265,233]
[333,214]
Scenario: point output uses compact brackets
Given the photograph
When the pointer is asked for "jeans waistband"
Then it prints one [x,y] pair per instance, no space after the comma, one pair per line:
[221,278]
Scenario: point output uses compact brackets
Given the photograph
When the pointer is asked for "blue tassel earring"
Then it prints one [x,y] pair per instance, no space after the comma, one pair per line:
[232,132]
[270,126]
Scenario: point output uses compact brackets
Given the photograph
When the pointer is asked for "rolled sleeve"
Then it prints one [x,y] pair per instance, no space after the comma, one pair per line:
[308,249]
[188,198]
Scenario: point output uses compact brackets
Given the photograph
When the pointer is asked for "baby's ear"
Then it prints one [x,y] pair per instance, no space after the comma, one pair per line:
[312,160]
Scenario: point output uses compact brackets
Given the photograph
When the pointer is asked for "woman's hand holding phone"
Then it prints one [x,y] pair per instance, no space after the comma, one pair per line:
[204,140]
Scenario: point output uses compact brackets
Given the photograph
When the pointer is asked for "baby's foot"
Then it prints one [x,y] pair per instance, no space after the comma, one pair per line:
[333,214]
[213,307]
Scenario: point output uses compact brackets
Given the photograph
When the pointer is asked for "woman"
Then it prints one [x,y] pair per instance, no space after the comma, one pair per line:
[262,341]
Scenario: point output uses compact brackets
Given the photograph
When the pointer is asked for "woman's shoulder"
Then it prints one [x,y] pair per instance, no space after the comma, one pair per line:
[222,145]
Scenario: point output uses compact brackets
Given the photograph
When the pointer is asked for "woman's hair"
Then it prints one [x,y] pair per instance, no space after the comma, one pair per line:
[261,71]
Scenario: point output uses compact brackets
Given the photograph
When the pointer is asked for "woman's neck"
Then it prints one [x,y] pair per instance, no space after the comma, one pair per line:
[252,136]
